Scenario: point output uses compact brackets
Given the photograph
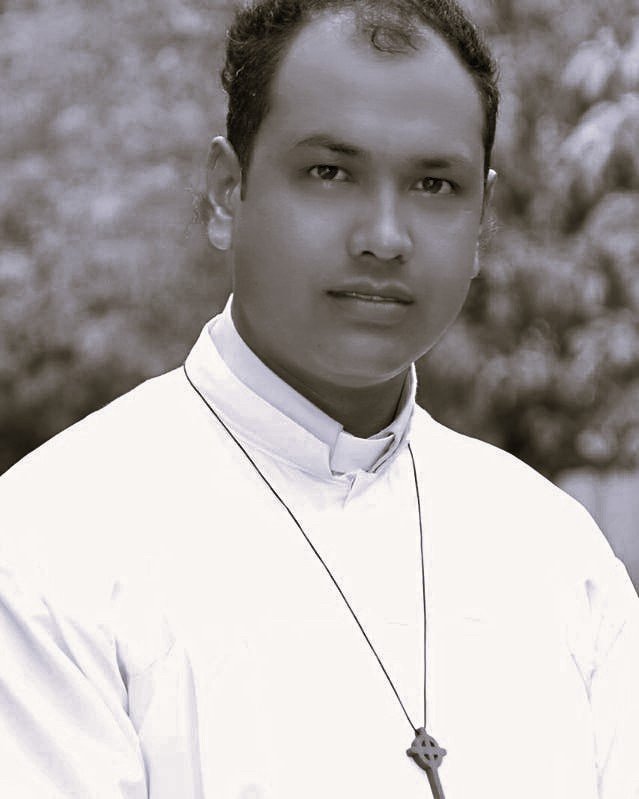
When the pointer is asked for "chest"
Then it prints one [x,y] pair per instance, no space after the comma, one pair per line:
[291,697]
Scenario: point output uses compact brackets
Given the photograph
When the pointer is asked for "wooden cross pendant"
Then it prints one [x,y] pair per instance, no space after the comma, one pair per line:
[428,755]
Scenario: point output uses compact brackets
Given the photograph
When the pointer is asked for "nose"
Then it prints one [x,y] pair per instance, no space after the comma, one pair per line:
[381,230]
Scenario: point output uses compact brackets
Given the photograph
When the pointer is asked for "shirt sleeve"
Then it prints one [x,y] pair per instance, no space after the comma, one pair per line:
[161,697]
[79,721]
[614,683]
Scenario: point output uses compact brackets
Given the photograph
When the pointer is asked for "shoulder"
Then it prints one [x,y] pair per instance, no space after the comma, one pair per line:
[95,495]
[471,458]
[131,428]
[508,500]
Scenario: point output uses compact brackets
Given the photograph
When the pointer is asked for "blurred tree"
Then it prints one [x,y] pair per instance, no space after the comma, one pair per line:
[103,278]
[545,359]
[104,281]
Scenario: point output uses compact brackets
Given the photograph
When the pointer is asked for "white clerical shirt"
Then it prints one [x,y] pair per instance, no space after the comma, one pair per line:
[167,631]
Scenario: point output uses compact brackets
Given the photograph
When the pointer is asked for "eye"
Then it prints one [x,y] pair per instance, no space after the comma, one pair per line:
[328,172]
[435,186]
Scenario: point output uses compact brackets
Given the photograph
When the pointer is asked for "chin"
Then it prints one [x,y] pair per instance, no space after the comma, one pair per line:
[361,372]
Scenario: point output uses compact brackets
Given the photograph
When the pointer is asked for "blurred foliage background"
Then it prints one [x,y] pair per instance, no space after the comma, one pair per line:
[105,279]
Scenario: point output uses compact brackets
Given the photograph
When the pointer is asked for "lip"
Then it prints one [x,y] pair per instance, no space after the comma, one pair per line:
[368,291]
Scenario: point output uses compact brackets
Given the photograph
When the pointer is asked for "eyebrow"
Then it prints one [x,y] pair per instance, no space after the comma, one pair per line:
[328,143]
[344,148]
[444,162]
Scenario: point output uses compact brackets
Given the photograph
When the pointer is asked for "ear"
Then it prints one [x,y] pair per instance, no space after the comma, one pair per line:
[223,184]
[489,189]
[476,264]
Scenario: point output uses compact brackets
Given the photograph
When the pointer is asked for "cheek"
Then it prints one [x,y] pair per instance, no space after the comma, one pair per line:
[443,278]
[272,271]
[266,223]
[447,254]
[283,245]
[441,302]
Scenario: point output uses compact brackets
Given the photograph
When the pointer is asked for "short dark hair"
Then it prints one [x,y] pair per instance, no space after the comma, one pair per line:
[260,33]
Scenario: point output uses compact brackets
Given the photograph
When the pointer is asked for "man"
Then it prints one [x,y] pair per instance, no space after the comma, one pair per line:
[239,579]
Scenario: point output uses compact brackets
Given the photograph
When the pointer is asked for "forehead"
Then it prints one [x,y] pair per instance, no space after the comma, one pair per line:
[331,81]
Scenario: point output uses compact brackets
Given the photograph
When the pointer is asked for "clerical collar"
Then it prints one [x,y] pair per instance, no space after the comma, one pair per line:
[303,421]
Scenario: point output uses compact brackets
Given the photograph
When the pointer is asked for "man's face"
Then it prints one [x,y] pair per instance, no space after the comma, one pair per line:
[354,243]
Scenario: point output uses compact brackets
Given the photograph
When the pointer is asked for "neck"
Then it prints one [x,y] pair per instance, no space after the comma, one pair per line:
[362,411]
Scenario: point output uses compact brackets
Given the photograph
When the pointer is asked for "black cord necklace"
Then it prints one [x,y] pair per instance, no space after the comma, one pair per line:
[424,750]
